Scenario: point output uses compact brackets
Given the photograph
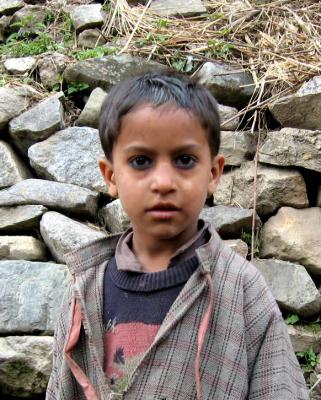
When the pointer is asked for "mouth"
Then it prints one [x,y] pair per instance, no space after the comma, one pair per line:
[163,211]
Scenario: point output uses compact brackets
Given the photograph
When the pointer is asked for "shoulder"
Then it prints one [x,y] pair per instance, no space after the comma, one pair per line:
[91,255]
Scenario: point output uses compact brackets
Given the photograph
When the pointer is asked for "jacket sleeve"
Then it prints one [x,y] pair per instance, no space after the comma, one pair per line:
[60,371]
[275,371]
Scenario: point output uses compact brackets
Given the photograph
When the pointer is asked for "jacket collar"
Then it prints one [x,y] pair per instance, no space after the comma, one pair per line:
[95,253]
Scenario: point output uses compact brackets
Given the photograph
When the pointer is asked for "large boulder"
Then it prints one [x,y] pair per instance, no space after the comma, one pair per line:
[87,16]
[12,169]
[12,102]
[54,195]
[4,23]
[106,71]
[8,7]
[230,221]
[294,235]
[229,85]
[51,68]
[237,147]
[70,156]
[113,217]
[21,218]
[62,234]
[22,248]
[31,16]
[292,147]
[38,123]
[20,66]
[174,8]
[91,112]
[31,294]
[292,286]
[90,38]
[276,187]
[229,118]
[304,337]
[25,365]
[302,109]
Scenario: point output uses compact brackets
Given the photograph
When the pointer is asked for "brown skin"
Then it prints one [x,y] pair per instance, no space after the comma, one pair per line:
[161,159]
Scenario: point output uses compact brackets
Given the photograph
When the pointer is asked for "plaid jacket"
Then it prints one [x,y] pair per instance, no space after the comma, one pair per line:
[247,353]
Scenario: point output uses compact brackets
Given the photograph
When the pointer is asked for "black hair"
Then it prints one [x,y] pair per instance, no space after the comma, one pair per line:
[158,89]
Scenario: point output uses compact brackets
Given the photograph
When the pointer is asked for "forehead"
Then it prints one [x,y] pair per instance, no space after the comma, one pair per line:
[166,125]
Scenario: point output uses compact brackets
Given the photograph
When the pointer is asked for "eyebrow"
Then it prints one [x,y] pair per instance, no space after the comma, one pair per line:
[145,149]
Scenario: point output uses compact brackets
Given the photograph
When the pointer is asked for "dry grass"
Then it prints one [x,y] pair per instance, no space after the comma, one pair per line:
[278,42]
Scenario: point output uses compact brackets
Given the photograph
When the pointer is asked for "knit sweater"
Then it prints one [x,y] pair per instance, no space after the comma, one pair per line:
[135,305]
[247,354]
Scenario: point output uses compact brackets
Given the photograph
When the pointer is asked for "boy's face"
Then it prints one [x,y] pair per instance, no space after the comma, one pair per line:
[162,171]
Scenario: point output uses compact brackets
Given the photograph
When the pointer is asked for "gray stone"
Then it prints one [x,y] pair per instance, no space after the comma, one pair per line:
[87,16]
[38,123]
[51,68]
[113,217]
[70,156]
[106,71]
[21,218]
[229,221]
[228,116]
[25,365]
[12,168]
[91,112]
[90,38]
[171,8]
[34,14]
[31,294]
[20,65]
[22,248]
[294,235]
[237,147]
[239,246]
[230,86]
[12,102]
[8,7]
[54,195]
[292,286]
[303,338]
[4,23]
[275,188]
[62,234]
[302,109]
[292,147]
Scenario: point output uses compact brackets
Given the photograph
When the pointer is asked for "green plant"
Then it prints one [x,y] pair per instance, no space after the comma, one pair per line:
[28,47]
[292,319]
[161,23]
[307,359]
[219,48]
[247,238]
[95,52]
[153,38]
[76,87]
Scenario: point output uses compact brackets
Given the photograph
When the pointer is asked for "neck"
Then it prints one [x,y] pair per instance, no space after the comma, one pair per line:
[155,255]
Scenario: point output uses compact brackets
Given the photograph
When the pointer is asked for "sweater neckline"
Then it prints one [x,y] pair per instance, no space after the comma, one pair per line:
[151,281]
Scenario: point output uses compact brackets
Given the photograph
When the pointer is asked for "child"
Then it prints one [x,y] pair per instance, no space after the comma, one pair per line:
[167,310]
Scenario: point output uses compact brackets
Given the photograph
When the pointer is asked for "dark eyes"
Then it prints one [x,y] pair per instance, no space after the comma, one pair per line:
[143,162]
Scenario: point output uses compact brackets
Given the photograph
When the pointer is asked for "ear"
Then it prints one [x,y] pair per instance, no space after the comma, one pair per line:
[215,174]
[107,170]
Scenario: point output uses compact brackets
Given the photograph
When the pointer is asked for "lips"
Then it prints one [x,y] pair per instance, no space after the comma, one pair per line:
[163,211]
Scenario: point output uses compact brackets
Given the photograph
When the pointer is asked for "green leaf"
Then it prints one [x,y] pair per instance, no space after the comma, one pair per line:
[292,319]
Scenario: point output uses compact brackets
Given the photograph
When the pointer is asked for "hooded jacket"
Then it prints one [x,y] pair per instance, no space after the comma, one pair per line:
[223,338]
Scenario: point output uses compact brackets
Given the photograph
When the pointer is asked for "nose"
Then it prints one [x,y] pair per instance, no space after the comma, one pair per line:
[163,178]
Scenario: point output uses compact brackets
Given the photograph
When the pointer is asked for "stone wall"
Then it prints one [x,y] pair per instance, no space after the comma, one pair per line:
[53,198]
